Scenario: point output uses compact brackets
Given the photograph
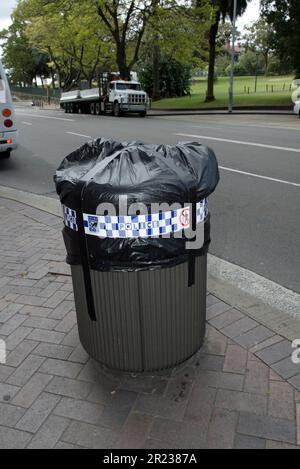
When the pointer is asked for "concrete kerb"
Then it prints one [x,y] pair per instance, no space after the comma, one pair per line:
[169,113]
[265,301]
[40,202]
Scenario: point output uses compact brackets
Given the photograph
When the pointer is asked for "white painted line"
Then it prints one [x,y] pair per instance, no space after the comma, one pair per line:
[39,116]
[239,142]
[219,123]
[26,123]
[78,135]
[259,176]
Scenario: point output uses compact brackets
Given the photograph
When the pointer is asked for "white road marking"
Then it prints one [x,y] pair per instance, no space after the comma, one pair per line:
[245,124]
[78,135]
[26,123]
[39,116]
[259,176]
[239,142]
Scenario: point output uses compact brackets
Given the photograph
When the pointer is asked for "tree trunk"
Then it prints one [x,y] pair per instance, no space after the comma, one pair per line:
[266,63]
[212,58]
[156,73]
[52,78]
[124,69]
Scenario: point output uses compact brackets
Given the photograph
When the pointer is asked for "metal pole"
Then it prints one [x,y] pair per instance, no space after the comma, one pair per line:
[256,73]
[230,105]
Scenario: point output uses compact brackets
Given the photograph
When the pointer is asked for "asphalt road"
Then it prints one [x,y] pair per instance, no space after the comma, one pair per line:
[256,208]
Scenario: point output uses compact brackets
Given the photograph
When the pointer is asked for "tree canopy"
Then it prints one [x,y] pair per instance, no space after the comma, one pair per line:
[80,39]
[284,18]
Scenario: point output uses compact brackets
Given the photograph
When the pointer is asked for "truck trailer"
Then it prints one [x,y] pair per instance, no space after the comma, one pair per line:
[112,96]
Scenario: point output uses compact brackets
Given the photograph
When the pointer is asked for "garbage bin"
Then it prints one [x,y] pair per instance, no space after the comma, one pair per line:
[130,211]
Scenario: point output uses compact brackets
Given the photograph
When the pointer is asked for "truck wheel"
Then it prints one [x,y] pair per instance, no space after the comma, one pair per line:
[92,108]
[143,114]
[5,154]
[98,109]
[117,110]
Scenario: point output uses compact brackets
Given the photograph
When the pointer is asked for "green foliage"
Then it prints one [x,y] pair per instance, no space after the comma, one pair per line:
[23,61]
[239,70]
[175,78]
[222,63]
[278,66]
[283,16]
[80,39]
[252,63]
[260,39]
[180,32]
[67,31]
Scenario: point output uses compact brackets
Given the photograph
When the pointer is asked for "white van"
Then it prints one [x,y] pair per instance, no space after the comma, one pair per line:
[8,129]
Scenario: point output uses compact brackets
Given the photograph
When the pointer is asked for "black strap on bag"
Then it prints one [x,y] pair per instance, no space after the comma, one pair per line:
[192,252]
[86,268]
[84,253]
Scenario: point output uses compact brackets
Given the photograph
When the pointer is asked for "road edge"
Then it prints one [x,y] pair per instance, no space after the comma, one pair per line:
[264,300]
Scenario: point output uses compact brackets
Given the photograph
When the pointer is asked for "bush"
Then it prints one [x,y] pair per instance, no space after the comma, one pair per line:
[175,78]
[239,70]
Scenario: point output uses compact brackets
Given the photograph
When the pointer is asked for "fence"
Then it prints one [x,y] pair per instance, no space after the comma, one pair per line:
[34,91]
[269,88]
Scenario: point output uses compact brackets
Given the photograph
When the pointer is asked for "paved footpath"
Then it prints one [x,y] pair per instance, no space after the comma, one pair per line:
[241,391]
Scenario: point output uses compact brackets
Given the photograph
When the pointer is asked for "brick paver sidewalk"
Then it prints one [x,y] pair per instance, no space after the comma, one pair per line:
[241,391]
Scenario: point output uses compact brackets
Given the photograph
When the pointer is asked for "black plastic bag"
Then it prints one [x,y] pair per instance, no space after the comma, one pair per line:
[104,172]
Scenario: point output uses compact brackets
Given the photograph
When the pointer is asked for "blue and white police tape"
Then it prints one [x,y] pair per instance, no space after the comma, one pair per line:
[70,218]
[138,226]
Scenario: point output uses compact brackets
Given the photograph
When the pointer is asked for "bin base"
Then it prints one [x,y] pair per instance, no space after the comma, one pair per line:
[146,321]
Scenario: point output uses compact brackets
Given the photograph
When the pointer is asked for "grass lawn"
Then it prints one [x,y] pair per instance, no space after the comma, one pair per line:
[271,91]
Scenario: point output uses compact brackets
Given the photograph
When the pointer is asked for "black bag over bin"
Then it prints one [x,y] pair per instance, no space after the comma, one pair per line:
[139,277]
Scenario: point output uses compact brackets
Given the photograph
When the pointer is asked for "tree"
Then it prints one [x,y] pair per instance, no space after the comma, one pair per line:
[251,62]
[283,16]
[66,30]
[174,78]
[126,22]
[177,34]
[222,10]
[24,62]
[260,39]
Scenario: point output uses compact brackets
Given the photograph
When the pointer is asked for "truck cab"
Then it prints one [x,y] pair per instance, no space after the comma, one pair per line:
[8,129]
[128,96]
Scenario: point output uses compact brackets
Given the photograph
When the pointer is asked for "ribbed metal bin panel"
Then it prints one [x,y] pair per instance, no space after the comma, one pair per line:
[173,320]
[146,321]
[115,338]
